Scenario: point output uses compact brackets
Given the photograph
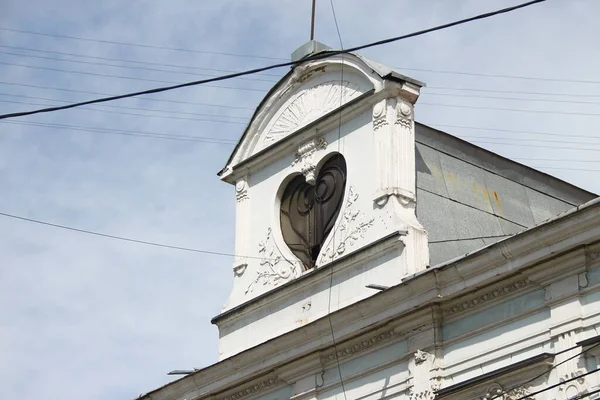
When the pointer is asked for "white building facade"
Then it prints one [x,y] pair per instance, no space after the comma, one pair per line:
[379,258]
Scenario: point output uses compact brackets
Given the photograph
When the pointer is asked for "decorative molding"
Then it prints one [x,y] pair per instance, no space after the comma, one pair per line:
[358,347]
[420,357]
[252,389]
[423,395]
[241,190]
[403,115]
[352,228]
[309,105]
[305,156]
[379,115]
[395,152]
[495,391]
[271,272]
[239,269]
[487,297]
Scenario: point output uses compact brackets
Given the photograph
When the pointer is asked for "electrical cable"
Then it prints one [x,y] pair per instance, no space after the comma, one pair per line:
[550,370]
[536,146]
[524,140]
[216,253]
[137,115]
[245,119]
[318,56]
[169,136]
[339,139]
[137,98]
[508,91]
[470,238]
[125,66]
[511,130]
[480,74]
[510,109]
[148,46]
[125,61]
[512,98]
[133,78]
[584,395]
[530,395]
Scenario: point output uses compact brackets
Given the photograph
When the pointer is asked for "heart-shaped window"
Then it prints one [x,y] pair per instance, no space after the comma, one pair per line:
[308,212]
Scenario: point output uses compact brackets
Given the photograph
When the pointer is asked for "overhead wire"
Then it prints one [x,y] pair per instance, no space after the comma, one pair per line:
[488,75]
[339,138]
[314,57]
[582,352]
[124,60]
[481,128]
[510,109]
[509,91]
[135,114]
[124,66]
[125,132]
[511,98]
[123,238]
[148,46]
[233,106]
[245,119]
[133,78]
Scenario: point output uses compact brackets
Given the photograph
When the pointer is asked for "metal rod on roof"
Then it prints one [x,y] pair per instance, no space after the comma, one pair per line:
[312,21]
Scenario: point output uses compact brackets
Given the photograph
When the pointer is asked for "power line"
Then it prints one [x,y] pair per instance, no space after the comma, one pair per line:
[485,75]
[532,145]
[124,60]
[513,131]
[134,78]
[148,46]
[525,140]
[317,56]
[135,114]
[513,98]
[470,238]
[510,109]
[509,91]
[566,169]
[554,159]
[112,94]
[35,221]
[127,108]
[126,66]
[530,395]
[547,372]
[155,135]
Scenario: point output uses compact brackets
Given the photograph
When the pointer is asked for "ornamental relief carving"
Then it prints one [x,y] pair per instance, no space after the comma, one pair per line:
[487,297]
[353,227]
[241,190]
[308,106]
[403,115]
[379,115]
[252,389]
[358,347]
[306,158]
[273,269]
[496,392]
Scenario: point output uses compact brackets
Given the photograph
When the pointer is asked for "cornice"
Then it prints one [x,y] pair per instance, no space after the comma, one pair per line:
[400,304]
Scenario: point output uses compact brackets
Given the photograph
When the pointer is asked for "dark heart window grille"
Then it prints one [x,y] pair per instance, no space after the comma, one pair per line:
[309,212]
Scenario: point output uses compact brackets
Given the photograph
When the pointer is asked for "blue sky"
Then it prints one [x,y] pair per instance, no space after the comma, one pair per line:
[83,316]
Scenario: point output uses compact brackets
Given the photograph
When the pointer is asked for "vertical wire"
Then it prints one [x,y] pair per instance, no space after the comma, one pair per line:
[339,128]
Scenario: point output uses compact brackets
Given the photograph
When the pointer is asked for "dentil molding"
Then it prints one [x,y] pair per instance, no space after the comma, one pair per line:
[488,296]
